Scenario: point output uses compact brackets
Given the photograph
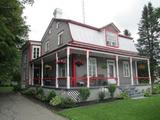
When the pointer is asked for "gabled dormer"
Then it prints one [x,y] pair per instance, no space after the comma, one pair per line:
[111,35]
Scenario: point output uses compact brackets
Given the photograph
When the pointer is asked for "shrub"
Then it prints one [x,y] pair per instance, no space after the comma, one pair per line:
[17,88]
[40,94]
[147,93]
[57,100]
[84,94]
[124,95]
[29,92]
[111,89]
[101,95]
[156,89]
[67,103]
[51,95]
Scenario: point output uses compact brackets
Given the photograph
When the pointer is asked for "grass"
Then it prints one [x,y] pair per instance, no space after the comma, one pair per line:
[142,109]
[6,89]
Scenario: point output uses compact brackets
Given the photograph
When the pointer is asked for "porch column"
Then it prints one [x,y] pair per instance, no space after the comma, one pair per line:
[132,82]
[149,72]
[57,70]
[68,76]
[117,66]
[136,74]
[41,72]
[32,74]
[87,58]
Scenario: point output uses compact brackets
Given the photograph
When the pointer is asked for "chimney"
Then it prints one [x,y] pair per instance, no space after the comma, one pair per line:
[57,13]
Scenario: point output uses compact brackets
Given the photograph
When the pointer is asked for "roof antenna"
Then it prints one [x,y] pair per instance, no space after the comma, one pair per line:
[83,11]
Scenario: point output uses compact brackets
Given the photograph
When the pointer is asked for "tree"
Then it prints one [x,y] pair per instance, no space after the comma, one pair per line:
[13,32]
[126,32]
[149,33]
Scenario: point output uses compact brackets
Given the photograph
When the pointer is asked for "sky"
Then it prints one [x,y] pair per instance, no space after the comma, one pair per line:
[125,14]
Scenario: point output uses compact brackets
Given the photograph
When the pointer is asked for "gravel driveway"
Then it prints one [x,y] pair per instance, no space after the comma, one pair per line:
[16,107]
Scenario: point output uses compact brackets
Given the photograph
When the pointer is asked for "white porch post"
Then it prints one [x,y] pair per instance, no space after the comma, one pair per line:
[87,58]
[149,72]
[32,73]
[117,66]
[68,76]
[131,67]
[41,72]
[57,70]
[136,72]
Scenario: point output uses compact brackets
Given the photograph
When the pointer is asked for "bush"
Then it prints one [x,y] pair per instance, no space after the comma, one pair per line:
[147,93]
[57,100]
[40,94]
[67,103]
[124,95]
[51,95]
[111,89]
[29,92]
[17,88]
[156,89]
[84,94]
[101,95]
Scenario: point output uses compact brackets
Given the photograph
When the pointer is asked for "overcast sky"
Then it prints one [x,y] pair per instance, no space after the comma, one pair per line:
[125,14]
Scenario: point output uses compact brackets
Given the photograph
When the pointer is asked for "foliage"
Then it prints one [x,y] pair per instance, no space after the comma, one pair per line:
[101,95]
[51,95]
[112,89]
[6,89]
[57,100]
[124,95]
[12,36]
[141,109]
[104,66]
[84,93]
[156,89]
[67,103]
[148,44]
[30,92]
[147,94]
[40,94]
[126,32]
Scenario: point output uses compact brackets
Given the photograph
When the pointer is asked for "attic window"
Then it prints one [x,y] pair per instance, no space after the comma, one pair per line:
[111,39]
[50,31]
[57,25]
[60,38]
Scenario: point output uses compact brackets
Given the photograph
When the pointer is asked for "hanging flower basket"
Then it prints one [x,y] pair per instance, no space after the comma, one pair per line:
[79,62]
[141,66]
[49,67]
[61,62]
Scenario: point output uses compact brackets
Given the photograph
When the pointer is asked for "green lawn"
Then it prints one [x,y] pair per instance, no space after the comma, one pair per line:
[6,89]
[142,109]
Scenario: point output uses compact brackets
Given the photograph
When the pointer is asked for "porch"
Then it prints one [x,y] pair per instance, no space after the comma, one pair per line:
[73,67]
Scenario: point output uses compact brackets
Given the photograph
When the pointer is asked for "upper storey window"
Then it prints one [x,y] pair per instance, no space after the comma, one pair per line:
[111,39]
[47,46]
[35,52]
[60,38]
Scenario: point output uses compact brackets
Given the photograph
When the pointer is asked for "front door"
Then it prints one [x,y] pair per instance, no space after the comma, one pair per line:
[111,74]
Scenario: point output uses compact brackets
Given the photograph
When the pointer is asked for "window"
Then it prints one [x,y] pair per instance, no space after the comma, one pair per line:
[57,25]
[50,31]
[35,52]
[111,39]
[111,68]
[126,71]
[62,70]
[46,49]
[92,67]
[60,38]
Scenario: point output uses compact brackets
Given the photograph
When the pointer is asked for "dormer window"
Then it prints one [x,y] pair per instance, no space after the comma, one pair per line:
[111,39]
[35,52]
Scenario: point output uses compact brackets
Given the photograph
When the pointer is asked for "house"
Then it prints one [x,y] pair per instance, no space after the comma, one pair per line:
[71,55]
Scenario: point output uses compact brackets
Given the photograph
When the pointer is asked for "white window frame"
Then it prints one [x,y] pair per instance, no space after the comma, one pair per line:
[50,31]
[126,69]
[57,25]
[111,42]
[92,67]
[60,39]
[36,53]
[111,62]
[46,46]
